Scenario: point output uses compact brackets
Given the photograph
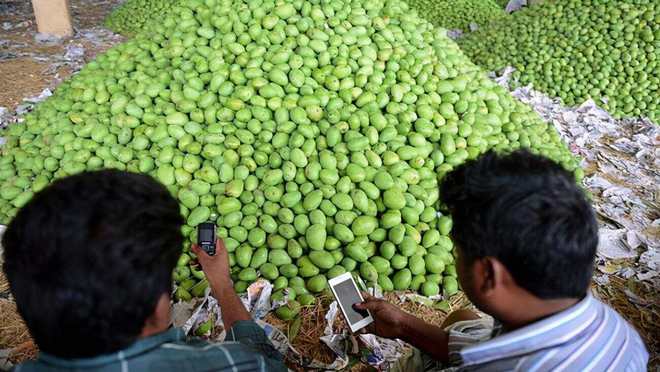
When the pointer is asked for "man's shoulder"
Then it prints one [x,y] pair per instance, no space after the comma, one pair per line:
[626,331]
[191,354]
[590,335]
[200,353]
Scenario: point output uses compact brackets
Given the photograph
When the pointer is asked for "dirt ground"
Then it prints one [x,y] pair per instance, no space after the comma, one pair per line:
[28,66]
[22,77]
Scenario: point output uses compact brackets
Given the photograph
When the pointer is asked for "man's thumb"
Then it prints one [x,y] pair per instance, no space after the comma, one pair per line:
[366,305]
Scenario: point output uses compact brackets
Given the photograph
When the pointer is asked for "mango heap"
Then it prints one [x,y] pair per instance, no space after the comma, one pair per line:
[313,132]
[458,14]
[134,16]
[608,50]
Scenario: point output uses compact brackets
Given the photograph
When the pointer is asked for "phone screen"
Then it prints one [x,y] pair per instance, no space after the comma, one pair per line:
[205,235]
[347,295]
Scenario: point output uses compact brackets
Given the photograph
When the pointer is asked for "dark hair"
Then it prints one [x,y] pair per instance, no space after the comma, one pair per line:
[528,212]
[88,258]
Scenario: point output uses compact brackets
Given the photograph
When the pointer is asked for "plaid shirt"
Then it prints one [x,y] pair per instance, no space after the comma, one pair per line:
[247,349]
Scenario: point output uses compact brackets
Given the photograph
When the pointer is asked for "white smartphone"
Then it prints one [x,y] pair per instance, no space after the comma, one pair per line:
[347,294]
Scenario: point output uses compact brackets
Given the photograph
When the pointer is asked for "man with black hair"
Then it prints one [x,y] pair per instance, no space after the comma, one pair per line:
[526,239]
[89,261]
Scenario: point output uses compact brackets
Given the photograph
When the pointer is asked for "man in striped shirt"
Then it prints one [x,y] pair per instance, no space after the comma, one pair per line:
[526,241]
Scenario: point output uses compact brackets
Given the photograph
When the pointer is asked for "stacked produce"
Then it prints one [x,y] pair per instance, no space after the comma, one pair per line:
[134,16]
[458,14]
[576,49]
[313,132]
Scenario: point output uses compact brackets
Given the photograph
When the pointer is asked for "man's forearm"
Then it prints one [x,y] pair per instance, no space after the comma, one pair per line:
[430,339]
[231,306]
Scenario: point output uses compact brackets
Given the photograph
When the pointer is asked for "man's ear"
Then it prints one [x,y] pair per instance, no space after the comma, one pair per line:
[491,275]
[159,320]
[483,276]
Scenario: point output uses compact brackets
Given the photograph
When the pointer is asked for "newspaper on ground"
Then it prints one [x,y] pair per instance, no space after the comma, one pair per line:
[257,301]
[622,162]
[454,33]
[515,5]
[199,313]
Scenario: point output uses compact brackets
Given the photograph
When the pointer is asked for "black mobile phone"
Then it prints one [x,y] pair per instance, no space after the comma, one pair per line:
[206,237]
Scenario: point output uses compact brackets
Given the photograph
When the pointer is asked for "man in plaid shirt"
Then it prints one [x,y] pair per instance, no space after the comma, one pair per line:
[89,260]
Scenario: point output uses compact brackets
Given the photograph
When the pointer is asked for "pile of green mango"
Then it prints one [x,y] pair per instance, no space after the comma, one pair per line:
[314,133]
[607,50]
[133,16]
[458,14]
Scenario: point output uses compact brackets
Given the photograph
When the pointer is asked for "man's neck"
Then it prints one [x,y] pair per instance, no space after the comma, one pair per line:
[159,321]
[148,331]
[532,310]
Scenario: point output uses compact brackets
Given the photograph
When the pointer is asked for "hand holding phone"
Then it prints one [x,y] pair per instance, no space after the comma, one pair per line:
[347,294]
[216,267]
[389,320]
[206,237]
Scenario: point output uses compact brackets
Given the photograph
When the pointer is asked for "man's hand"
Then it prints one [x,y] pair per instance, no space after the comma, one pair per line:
[392,322]
[216,268]
[389,320]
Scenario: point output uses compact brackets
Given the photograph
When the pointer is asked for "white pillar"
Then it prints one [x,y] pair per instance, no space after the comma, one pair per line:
[53,17]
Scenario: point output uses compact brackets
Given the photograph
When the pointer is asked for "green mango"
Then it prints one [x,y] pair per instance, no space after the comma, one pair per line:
[402,280]
[317,283]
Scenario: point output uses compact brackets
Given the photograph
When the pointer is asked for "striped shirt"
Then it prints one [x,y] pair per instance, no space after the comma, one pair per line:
[588,336]
[248,349]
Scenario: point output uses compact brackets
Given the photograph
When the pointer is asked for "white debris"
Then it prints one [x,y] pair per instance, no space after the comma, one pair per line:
[627,273]
[454,34]
[651,258]
[190,315]
[47,39]
[383,351]
[515,5]
[602,279]
[613,244]
[99,36]
[5,116]
[336,342]
[28,105]
[39,97]
[622,162]
[74,52]
[257,299]
[181,312]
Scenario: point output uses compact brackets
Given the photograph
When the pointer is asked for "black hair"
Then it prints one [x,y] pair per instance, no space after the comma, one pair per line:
[528,212]
[88,258]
